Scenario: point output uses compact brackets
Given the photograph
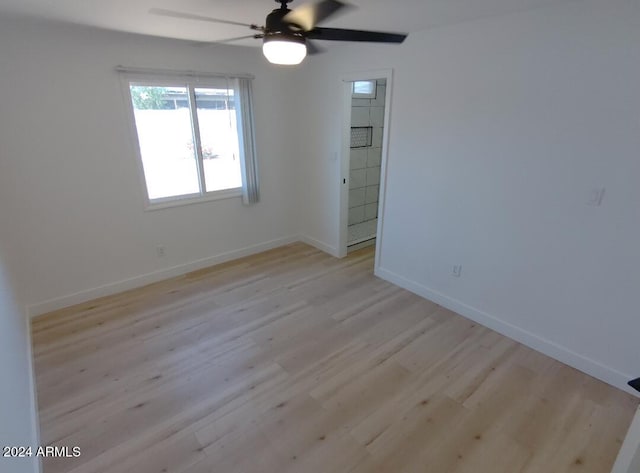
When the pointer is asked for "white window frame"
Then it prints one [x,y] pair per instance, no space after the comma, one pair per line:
[190,82]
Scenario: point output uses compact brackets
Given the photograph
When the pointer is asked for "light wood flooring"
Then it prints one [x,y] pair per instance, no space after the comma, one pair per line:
[294,361]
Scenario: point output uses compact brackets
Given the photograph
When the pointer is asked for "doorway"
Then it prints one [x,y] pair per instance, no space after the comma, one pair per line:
[365,130]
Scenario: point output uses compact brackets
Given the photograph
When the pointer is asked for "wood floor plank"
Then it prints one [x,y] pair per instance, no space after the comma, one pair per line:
[294,361]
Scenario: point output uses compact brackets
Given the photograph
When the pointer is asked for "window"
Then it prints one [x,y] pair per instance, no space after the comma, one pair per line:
[195,137]
[364,89]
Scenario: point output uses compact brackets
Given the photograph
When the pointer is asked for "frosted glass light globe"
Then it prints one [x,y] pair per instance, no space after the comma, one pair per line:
[284,52]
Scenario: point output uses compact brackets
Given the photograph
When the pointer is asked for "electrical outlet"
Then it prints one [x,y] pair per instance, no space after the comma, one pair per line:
[457,270]
[160,251]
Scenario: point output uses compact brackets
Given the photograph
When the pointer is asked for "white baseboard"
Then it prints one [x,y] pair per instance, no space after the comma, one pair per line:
[149,278]
[536,342]
[332,250]
[552,349]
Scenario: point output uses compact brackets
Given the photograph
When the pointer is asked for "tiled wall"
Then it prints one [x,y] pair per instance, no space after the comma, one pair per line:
[364,167]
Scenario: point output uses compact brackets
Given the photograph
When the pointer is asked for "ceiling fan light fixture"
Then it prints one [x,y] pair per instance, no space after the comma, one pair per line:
[285,32]
[284,50]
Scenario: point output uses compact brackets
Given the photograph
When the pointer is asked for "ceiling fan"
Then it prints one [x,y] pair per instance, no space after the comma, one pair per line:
[287,33]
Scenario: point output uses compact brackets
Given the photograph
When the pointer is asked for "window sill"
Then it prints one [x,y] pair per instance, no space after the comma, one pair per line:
[190,200]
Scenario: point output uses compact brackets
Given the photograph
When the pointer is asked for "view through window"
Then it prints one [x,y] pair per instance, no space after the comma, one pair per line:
[188,138]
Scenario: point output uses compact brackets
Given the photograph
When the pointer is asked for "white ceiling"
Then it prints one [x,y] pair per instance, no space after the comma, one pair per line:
[133,16]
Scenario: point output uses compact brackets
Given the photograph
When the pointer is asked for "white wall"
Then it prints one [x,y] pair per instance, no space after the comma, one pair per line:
[17,406]
[18,422]
[76,204]
[500,128]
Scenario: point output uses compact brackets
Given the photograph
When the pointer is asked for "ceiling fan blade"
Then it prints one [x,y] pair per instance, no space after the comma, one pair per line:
[309,15]
[339,34]
[229,40]
[191,16]
[313,48]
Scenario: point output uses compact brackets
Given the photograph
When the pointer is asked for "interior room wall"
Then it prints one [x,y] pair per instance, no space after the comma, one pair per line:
[77,222]
[17,407]
[18,420]
[501,132]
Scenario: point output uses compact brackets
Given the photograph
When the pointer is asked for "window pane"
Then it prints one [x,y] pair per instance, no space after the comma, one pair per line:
[219,138]
[364,87]
[166,142]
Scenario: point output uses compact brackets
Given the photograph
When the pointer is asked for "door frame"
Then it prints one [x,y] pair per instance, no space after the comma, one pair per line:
[345,152]
[629,455]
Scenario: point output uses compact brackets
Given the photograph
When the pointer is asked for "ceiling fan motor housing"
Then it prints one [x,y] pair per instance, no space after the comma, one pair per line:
[277,28]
